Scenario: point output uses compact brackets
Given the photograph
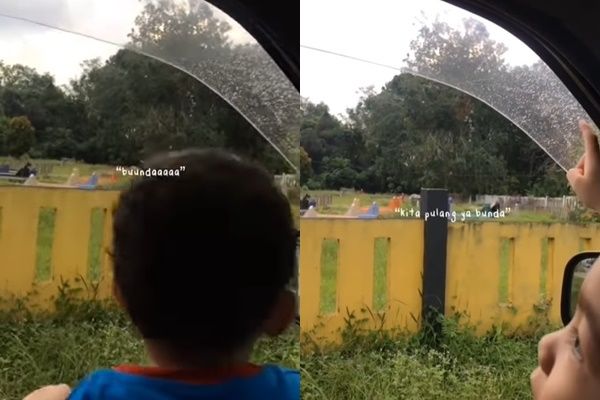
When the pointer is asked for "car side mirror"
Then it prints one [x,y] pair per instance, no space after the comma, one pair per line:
[575,272]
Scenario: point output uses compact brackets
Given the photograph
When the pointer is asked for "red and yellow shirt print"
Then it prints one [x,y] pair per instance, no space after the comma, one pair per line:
[198,376]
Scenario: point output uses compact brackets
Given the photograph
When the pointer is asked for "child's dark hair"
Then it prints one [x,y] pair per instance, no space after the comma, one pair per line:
[201,258]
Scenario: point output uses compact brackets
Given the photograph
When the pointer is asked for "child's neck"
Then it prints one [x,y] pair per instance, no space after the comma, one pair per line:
[165,357]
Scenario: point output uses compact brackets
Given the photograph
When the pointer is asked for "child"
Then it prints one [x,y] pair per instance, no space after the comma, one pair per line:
[201,265]
[569,359]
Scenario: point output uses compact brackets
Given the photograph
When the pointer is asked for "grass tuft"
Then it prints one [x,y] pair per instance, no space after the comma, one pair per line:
[81,335]
[393,365]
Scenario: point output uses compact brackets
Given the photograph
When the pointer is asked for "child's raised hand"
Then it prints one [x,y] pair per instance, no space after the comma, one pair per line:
[52,392]
[584,178]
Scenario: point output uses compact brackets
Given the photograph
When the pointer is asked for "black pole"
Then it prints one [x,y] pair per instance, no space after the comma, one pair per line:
[296,279]
[434,211]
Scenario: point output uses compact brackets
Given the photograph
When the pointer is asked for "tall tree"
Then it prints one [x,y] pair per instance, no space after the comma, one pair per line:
[416,132]
[20,136]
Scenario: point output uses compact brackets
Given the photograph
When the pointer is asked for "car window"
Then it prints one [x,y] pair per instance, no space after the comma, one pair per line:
[193,36]
[431,40]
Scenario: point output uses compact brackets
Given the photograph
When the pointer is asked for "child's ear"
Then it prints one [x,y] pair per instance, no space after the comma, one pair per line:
[282,315]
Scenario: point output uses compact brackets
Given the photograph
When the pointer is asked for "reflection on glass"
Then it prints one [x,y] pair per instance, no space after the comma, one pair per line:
[579,274]
[83,82]
[531,97]
[427,39]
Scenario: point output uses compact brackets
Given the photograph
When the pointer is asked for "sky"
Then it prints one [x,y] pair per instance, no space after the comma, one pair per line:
[380,32]
[61,53]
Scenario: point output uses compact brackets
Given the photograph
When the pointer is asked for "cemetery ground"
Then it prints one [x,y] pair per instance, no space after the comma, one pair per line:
[342,200]
[57,172]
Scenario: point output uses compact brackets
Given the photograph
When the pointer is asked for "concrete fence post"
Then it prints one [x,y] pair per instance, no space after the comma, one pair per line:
[434,209]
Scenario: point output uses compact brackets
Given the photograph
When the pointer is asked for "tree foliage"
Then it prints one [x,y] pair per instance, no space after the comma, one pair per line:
[20,136]
[418,133]
[130,106]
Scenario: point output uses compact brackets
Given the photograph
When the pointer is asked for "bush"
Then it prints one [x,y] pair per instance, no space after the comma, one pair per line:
[583,215]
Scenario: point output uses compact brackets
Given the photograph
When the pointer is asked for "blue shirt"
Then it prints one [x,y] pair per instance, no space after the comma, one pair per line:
[272,382]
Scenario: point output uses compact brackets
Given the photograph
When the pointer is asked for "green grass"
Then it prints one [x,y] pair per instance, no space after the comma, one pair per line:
[341,203]
[39,349]
[380,264]
[329,267]
[546,243]
[95,247]
[45,239]
[462,366]
[505,263]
